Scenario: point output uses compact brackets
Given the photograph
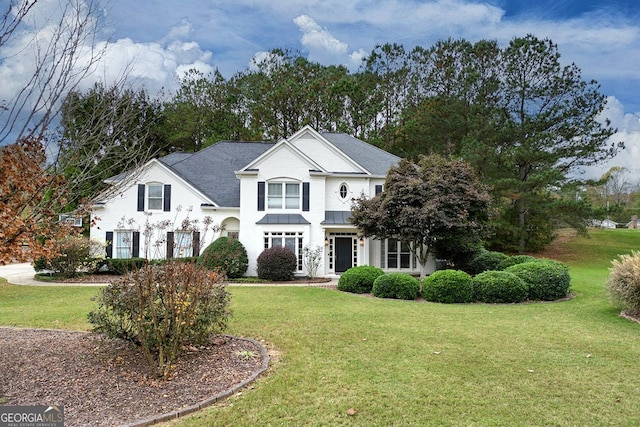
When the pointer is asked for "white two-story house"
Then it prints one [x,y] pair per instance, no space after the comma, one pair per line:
[297,192]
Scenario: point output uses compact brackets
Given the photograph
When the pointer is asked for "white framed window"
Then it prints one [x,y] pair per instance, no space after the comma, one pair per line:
[291,240]
[283,195]
[74,220]
[155,197]
[343,191]
[397,255]
[182,244]
[123,241]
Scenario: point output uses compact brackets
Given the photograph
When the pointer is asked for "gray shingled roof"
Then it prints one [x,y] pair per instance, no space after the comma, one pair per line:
[370,157]
[212,170]
[173,158]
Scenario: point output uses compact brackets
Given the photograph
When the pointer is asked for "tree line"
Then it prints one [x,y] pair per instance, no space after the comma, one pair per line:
[522,120]
[525,122]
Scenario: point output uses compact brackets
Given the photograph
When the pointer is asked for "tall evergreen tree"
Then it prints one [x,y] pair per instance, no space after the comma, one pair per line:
[550,127]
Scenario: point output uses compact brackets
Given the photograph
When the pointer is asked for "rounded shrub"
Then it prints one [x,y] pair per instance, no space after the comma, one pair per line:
[624,282]
[359,280]
[227,255]
[499,287]
[486,261]
[514,260]
[396,285]
[547,280]
[277,264]
[448,287]
[190,305]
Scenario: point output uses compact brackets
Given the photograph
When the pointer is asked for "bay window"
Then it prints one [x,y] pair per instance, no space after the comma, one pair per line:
[289,240]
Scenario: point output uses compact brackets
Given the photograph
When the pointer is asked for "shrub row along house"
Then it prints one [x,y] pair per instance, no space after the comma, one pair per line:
[295,193]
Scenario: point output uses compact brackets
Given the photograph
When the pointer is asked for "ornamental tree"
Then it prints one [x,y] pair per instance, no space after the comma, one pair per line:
[29,197]
[425,203]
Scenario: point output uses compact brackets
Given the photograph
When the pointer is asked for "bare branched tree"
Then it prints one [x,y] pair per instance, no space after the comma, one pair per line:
[68,168]
[63,47]
[108,133]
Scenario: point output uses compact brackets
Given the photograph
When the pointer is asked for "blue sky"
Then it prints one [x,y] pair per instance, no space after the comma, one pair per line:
[160,39]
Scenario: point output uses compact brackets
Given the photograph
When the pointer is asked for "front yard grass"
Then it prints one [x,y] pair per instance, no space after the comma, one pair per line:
[354,360]
[46,307]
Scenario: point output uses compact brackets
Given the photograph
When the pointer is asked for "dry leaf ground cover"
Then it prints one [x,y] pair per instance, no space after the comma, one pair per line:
[102,382]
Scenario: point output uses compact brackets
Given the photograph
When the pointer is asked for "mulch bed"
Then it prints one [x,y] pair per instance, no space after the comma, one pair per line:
[105,382]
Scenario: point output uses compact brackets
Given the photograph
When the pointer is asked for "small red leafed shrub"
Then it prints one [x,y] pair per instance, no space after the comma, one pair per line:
[277,264]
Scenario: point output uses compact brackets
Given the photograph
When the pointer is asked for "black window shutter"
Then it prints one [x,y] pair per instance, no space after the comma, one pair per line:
[109,241]
[261,188]
[141,188]
[305,196]
[196,243]
[170,243]
[167,198]
[378,189]
[135,247]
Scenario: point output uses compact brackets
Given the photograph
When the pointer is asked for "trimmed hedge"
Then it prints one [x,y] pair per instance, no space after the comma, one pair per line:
[499,287]
[448,287]
[396,285]
[515,260]
[547,280]
[486,261]
[359,280]
[227,255]
[277,264]
[124,265]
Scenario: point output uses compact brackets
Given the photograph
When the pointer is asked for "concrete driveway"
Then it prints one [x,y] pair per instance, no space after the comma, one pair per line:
[23,274]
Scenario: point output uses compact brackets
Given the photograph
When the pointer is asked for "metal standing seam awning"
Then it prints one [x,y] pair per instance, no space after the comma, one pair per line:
[336,218]
[283,219]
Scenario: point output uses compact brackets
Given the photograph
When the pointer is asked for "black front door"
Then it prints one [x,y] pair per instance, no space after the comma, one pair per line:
[344,254]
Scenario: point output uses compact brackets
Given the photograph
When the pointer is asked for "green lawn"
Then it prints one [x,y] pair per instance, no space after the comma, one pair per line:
[572,363]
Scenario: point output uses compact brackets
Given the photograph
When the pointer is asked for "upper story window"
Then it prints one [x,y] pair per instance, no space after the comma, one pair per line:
[283,195]
[343,191]
[154,197]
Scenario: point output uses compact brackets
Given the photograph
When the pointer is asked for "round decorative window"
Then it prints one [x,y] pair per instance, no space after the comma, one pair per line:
[344,190]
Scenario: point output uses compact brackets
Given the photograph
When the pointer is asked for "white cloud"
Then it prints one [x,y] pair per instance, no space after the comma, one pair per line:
[628,126]
[322,45]
[356,57]
[154,65]
[182,30]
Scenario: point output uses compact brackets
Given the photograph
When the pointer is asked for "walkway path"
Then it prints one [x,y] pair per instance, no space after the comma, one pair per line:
[23,274]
